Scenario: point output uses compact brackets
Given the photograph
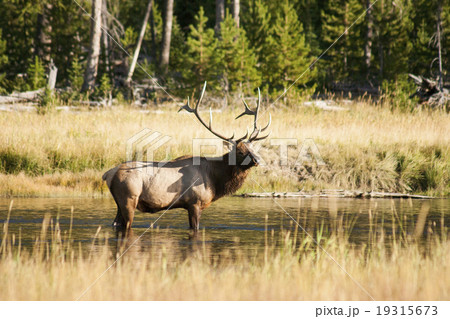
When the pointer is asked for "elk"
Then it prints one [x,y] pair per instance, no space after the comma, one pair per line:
[181,183]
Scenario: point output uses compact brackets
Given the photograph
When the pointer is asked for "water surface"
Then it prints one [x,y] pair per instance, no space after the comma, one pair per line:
[233,222]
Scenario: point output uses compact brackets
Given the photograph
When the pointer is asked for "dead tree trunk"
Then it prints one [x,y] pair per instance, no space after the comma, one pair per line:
[166,37]
[236,12]
[220,14]
[52,74]
[106,37]
[94,48]
[428,92]
[139,43]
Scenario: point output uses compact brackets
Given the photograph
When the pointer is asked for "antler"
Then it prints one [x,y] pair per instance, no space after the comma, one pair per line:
[256,130]
[194,110]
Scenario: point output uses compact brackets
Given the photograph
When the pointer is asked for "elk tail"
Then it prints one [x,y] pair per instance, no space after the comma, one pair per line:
[108,176]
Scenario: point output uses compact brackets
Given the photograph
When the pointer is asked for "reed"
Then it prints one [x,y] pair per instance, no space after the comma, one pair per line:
[289,265]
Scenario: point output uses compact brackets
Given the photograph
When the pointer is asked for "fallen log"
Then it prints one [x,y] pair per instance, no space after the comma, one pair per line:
[334,194]
[28,107]
[18,97]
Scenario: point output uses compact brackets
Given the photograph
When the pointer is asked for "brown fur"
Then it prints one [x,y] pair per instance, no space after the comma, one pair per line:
[178,184]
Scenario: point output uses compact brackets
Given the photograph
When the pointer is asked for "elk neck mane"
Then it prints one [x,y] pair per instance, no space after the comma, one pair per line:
[226,178]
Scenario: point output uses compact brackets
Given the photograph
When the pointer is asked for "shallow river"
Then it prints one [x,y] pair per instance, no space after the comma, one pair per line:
[233,222]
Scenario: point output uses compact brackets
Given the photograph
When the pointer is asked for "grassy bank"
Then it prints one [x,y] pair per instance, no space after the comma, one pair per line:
[288,266]
[366,148]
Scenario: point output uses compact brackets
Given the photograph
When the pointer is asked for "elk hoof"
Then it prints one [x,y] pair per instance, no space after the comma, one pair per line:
[117,225]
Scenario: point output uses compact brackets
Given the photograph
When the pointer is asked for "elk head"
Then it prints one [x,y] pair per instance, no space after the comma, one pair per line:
[241,147]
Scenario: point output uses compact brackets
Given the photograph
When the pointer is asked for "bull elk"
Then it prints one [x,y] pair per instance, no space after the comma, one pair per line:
[181,183]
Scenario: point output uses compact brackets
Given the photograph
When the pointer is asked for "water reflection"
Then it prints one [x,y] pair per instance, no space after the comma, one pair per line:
[231,223]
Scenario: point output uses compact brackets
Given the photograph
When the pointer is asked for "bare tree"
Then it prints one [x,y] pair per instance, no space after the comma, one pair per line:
[220,14]
[139,43]
[236,11]
[166,36]
[94,47]
[105,37]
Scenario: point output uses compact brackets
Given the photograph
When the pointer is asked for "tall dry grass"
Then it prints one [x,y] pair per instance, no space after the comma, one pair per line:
[288,266]
[365,148]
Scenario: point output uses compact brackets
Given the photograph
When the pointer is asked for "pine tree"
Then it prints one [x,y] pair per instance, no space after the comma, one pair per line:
[257,21]
[178,48]
[393,25]
[3,62]
[3,56]
[422,55]
[403,37]
[105,88]
[76,75]
[201,60]
[308,12]
[238,61]
[287,53]
[36,75]
[18,29]
[69,34]
[345,57]
[129,39]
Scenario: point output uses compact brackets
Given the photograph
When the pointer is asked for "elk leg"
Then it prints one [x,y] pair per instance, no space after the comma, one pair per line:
[127,208]
[194,217]
[118,221]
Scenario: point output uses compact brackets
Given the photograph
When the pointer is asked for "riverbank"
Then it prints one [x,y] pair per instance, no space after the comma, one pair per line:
[366,149]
